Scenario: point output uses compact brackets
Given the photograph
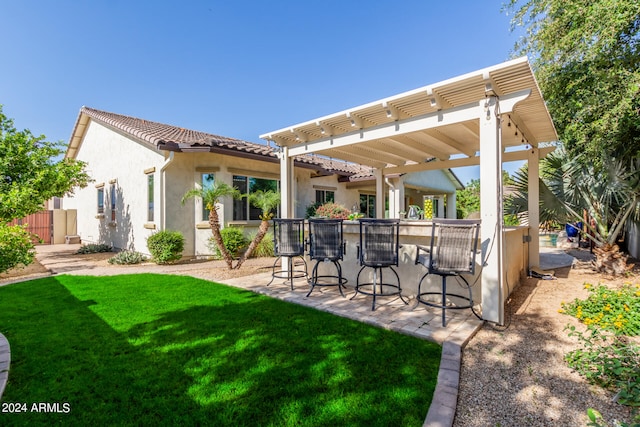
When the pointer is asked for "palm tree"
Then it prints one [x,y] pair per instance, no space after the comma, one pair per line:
[552,209]
[267,201]
[210,198]
[571,185]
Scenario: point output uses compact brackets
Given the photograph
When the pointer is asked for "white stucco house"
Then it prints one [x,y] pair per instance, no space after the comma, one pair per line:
[141,170]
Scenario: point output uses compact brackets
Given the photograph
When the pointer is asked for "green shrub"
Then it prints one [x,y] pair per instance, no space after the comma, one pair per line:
[166,246]
[311,210]
[94,248]
[606,356]
[234,240]
[609,361]
[16,247]
[127,257]
[265,247]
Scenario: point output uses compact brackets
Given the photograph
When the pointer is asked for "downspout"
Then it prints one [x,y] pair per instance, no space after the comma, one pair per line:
[386,180]
[163,190]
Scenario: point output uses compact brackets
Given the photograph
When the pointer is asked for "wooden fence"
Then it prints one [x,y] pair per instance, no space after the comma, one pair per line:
[40,224]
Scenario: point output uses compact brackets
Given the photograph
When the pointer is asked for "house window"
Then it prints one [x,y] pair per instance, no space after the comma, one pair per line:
[207,182]
[242,209]
[368,205]
[101,200]
[324,196]
[112,199]
[150,197]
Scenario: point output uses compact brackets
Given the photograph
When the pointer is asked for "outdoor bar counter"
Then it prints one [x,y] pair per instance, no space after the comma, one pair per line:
[418,232]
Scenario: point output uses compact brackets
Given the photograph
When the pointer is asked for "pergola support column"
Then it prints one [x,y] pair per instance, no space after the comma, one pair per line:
[396,196]
[440,213]
[491,211]
[379,193]
[286,184]
[451,205]
[534,207]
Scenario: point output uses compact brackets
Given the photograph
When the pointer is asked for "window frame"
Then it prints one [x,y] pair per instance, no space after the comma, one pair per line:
[100,200]
[325,196]
[368,208]
[249,212]
[113,200]
[204,210]
[150,196]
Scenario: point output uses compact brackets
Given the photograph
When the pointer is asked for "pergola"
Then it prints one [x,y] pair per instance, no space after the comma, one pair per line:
[485,118]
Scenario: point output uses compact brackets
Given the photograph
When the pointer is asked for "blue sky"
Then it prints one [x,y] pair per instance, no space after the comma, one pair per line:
[234,68]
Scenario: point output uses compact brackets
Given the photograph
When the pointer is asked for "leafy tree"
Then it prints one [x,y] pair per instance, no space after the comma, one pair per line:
[267,201]
[468,199]
[587,60]
[211,197]
[29,176]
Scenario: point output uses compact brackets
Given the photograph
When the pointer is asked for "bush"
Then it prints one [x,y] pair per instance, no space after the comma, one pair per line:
[606,356]
[234,240]
[311,210]
[609,361]
[127,257]
[16,247]
[615,310]
[166,246]
[333,210]
[265,247]
[94,248]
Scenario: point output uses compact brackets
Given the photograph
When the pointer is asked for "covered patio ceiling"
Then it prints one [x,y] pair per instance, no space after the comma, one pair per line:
[432,127]
[485,118]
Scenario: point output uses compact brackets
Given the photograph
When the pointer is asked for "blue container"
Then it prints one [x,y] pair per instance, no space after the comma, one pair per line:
[573,229]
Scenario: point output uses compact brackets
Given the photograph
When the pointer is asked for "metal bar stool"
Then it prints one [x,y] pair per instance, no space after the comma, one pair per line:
[288,242]
[378,249]
[326,245]
[452,252]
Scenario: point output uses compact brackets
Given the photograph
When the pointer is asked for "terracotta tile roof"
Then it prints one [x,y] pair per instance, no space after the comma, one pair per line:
[174,138]
[171,137]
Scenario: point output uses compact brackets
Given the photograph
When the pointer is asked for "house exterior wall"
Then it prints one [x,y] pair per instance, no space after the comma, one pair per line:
[118,162]
[190,166]
[435,180]
[112,157]
[432,183]
[306,187]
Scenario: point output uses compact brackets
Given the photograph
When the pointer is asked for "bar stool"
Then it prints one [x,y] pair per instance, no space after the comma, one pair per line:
[326,245]
[288,242]
[378,249]
[452,252]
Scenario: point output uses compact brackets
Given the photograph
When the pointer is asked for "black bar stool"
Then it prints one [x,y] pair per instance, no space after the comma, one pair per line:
[288,242]
[326,244]
[378,249]
[452,252]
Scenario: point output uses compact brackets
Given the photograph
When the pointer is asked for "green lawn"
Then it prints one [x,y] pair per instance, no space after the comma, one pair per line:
[157,349]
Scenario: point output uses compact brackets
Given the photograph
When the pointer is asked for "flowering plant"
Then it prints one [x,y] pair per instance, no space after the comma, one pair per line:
[616,310]
[333,210]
